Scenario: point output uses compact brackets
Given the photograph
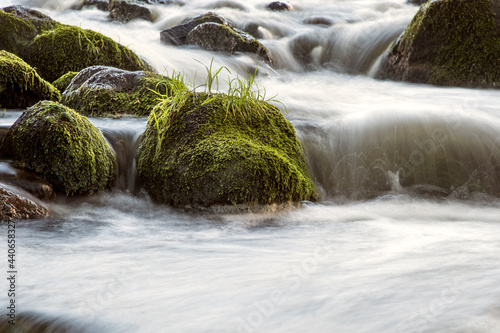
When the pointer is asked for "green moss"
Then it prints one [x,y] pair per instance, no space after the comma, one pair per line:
[63,82]
[105,100]
[15,33]
[202,152]
[20,84]
[62,147]
[67,48]
[451,42]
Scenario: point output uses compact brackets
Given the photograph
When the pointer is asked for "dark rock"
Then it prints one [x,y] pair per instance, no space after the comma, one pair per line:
[99,4]
[280,6]
[417,2]
[219,37]
[28,181]
[319,21]
[123,11]
[221,150]
[63,147]
[163,2]
[449,42]
[15,206]
[20,84]
[177,35]
[107,91]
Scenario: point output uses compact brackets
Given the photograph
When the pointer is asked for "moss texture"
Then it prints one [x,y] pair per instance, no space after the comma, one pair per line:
[100,95]
[203,153]
[20,84]
[62,147]
[63,82]
[55,49]
[449,42]
[67,48]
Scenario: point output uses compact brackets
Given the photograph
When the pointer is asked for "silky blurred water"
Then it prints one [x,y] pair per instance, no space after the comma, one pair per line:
[374,255]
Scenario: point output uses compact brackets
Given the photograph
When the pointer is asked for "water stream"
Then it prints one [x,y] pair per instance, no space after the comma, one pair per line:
[404,239]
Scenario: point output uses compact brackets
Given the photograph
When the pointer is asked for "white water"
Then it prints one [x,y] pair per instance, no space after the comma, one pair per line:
[396,262]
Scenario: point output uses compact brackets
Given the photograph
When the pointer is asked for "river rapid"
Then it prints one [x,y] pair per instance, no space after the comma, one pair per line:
[374,255]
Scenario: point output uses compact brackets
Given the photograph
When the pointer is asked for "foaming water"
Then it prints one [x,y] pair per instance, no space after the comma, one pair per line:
[405,238]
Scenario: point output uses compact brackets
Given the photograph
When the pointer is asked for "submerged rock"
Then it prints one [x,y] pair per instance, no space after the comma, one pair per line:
[55,49]
[20,84]
[280,6]
[222,38]
[63,147]
[218,150]
[14,206]
[28,181]
[124,11]
[449,42]
[99,4]
[104,91]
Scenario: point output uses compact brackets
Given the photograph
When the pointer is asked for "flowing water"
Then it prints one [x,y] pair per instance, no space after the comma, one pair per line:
[406,237]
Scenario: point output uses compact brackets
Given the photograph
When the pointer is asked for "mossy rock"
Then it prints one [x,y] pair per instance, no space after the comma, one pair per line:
[102,91]
[20,84]
[63,82]
[67,48]
[19,26]
[63,147]
[55,49]
[449,42]
[209,151]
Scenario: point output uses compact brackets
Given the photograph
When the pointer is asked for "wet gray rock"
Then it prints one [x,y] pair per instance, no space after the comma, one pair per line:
[28,181]
[177,35]
[221,38]
[124,12]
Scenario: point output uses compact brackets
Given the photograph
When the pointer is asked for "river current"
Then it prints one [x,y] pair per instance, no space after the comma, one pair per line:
[374,255]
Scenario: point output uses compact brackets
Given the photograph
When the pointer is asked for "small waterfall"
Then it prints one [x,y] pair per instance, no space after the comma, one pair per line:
[125,143]
[365,155]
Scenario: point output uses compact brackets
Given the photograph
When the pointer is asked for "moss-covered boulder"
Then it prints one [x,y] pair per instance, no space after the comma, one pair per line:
[449,42]
[206,150]
[106,91]
[19,26]
[14,206]
[63,82]
[20,84]
[63,147]
[67,48]
[55,49]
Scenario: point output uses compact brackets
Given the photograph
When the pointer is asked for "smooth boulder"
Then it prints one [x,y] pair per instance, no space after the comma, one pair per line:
[63,147]
[208,150]
[450,43]
[106,91]
[20,84]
